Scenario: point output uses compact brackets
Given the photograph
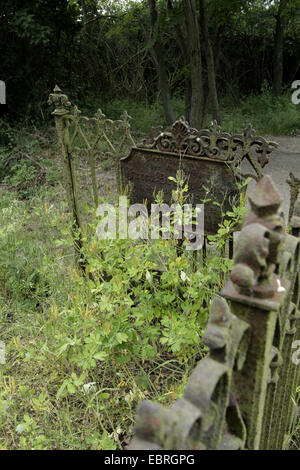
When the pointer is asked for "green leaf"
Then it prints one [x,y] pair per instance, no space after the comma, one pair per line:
[71,388]
[121,338]
[104,396]
[20,428]
[101,356]
[61,390]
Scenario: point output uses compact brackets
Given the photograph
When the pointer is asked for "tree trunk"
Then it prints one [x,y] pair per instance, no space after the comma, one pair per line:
[209,55]
[182,45]
[181,41]
[159,53]
[194,48]
[278,49]
[84,15]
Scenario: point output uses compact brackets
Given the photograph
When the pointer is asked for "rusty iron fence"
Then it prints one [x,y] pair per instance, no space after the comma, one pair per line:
[242,395]
[85,142]
[90,139]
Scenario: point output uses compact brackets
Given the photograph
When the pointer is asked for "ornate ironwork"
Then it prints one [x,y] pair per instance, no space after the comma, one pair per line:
[258,247]
[60,113]
[100,136]
[90,137]
[213,143]
[60,100]
[93,137]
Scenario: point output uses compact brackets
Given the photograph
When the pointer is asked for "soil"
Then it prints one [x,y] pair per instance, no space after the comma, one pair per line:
[284,160]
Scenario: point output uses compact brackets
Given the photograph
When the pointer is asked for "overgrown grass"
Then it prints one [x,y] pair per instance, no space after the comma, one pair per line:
[28,158]
[268,115]
[82,352]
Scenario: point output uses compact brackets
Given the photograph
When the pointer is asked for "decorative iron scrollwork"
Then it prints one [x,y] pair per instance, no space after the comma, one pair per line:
[213,143]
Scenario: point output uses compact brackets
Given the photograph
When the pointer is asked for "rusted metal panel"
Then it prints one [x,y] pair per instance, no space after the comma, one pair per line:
[212,161]
[148,173]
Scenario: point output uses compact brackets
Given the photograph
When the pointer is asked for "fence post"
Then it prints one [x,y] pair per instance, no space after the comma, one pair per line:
[60,114]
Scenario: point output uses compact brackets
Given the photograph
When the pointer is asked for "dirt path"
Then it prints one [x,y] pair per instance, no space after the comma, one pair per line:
[282,161]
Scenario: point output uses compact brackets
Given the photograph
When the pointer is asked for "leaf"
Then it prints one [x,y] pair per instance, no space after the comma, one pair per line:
[20,428]
[101,356]
[59,242]
[61,391]
[71,388]
[164,340]
[121,338]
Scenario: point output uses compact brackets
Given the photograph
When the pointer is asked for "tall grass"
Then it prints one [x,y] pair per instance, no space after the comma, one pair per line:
[268,115]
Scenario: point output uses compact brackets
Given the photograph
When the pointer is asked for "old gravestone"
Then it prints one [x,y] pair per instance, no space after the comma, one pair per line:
[211,159]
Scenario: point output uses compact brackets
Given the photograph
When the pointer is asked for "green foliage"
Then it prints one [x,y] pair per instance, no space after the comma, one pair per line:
[25,27]
[105,52]
[25,160]
[82,352]
[268,115]
[131,329]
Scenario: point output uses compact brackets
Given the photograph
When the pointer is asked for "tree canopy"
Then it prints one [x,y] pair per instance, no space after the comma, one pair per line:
[147,50]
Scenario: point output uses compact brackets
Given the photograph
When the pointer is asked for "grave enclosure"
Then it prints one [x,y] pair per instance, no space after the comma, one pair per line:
[213,161]
[242,395]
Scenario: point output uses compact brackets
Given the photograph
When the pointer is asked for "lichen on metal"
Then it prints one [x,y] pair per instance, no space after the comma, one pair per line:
[258,247]
[60,100]
[61,113]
